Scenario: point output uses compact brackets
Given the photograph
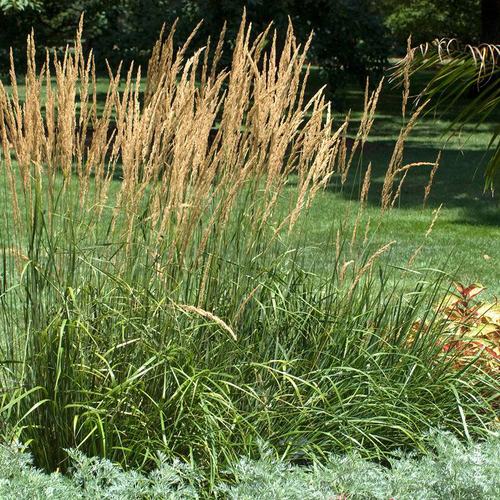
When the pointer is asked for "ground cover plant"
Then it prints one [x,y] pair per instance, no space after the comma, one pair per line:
[157,293]
[450,470]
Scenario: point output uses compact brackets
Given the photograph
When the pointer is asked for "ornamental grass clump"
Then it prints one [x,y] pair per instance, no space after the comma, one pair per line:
[155,292]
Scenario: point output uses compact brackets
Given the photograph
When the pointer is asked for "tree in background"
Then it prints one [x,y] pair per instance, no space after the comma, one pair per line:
[350,39]
[349,36]
[17,5]
[54,22]
[490,21]
[426,20]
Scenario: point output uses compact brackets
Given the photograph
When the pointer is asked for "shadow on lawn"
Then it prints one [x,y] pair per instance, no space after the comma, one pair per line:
[458,182]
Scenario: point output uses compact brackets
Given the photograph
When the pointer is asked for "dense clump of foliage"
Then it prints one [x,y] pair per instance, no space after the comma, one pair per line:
[156,290]
[450,470]
[92,478]
[349,43]
[426,20]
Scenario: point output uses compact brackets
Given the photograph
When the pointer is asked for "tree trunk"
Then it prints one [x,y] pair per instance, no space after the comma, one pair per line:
[490,21]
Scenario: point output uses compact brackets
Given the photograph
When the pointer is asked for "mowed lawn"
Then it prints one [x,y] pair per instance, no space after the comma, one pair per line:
[465,238]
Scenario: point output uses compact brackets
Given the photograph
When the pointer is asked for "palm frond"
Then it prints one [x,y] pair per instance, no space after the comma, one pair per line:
[459,70]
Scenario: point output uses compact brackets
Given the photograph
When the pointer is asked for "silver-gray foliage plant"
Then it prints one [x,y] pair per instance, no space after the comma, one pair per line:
[451,471]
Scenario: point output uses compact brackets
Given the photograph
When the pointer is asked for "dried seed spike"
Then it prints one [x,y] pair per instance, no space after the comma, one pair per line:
[362,201]
[431,179]
[343,270]
[368,265]
[436,215]
[367,229]
[406,76]
[398,190]
[208,315]
[366,186]
[428,232]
